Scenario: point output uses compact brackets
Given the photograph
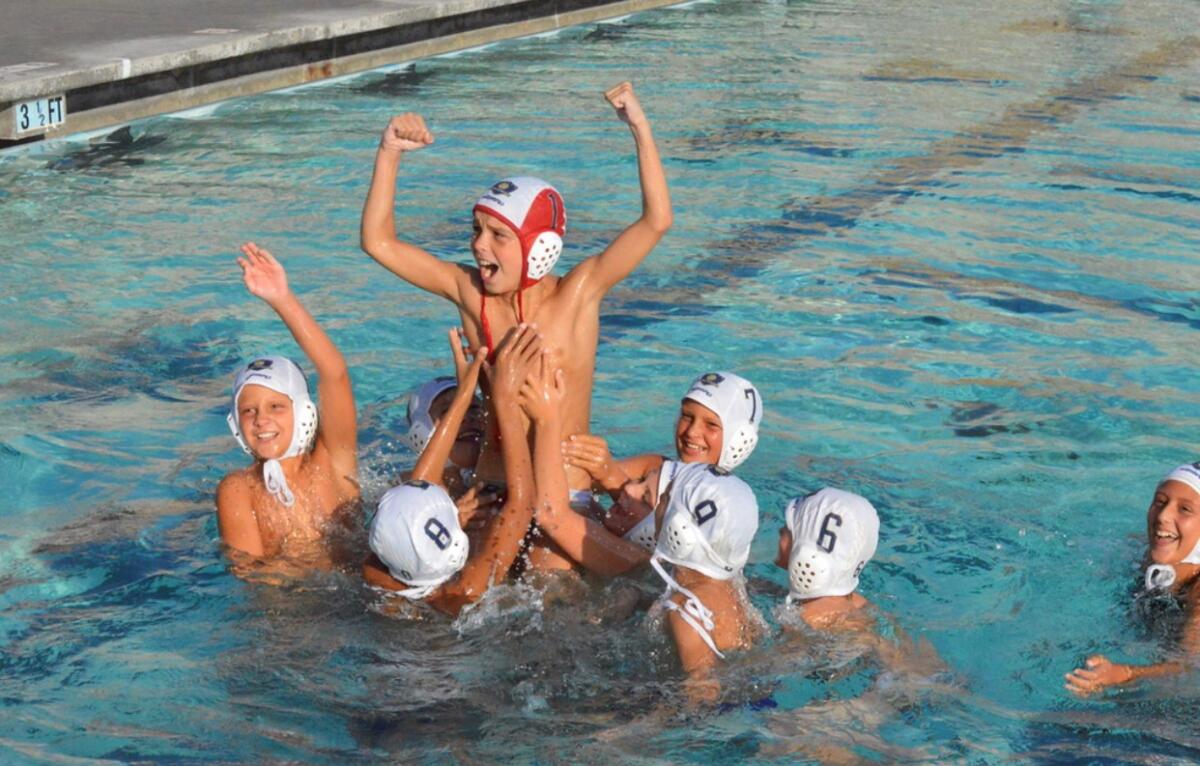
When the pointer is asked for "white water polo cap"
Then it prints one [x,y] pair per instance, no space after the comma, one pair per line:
[420,422]
[643,533]
[738,405]
[834,535]
[710,521]
[534,210]
[283,376]
[416,534]
[1162,576]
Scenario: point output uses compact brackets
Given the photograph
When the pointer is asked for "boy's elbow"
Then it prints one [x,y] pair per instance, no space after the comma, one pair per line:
[660,223]
[368,243]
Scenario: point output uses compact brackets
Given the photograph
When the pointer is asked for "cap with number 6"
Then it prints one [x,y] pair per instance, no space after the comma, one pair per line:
[834,535]
[416,534]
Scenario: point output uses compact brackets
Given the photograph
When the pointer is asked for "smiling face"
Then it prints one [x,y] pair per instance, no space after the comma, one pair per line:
[1173,522]
[698,434]
[497,252]
[266,418]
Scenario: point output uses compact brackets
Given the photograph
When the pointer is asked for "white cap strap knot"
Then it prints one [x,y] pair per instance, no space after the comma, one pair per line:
[693,611]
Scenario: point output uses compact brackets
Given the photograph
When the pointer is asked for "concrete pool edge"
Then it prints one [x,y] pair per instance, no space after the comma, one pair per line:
[125,90]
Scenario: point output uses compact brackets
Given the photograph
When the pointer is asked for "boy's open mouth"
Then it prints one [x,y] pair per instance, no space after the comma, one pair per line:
[487,269]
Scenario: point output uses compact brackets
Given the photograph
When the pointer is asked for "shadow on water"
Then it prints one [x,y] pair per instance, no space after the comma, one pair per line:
[115,149]
[606,33]
[754,247]
[743,135]
[127,586]
[139,361]
[404,82]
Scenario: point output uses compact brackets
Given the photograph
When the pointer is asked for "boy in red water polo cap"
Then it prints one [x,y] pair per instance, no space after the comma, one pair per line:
[518,228]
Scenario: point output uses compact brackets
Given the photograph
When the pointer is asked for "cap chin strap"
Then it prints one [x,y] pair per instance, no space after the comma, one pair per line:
[277,484]
[418,593]
[693,611]
[1162,576]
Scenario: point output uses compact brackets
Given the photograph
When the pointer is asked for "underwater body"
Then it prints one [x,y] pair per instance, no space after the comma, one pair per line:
[953,247]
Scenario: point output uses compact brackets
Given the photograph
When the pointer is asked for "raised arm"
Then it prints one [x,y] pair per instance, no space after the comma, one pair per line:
[489,565]
[405,133]
[432,462]
[601,272]
[337,428]
[584,540]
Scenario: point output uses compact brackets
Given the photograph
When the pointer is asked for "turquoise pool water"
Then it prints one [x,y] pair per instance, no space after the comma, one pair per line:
[955,248]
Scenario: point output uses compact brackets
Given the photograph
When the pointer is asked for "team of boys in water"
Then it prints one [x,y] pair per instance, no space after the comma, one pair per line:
[533,336]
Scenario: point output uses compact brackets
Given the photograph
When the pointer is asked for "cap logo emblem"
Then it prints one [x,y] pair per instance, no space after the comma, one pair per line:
[259,364]
[504,187]
[711,379]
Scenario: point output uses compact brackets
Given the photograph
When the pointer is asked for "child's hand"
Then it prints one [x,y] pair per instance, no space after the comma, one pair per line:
[590,453]
[515,359]
[406,133]
[264,276]
[476,508]
[626,104]
[1098,674]
[543,391]
[465,371]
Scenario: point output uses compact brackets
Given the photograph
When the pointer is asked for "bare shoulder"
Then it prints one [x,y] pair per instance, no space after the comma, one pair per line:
[236,518]
[581,281]
[235,489]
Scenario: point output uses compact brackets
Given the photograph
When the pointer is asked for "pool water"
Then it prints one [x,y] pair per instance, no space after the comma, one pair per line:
[954,245]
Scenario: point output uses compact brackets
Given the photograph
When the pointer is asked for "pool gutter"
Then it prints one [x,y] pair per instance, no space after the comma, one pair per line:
[127,89]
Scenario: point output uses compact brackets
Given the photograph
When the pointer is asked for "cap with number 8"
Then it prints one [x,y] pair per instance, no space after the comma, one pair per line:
[416,534]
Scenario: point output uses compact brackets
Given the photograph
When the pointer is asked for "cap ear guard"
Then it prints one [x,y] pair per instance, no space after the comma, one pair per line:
[810,572]
[235,427]
[642,533]
[542,254]
[420,424]
[737,448]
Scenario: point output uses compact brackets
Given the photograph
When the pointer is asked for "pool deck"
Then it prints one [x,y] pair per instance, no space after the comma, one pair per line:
[128,59]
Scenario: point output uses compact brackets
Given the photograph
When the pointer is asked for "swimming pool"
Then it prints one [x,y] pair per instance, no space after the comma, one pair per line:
[959,265]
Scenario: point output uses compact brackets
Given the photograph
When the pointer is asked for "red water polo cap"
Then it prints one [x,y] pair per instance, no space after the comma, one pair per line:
[534,210]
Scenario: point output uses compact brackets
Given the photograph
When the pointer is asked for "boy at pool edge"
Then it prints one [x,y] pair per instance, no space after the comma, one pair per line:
[305,472]
[518,228]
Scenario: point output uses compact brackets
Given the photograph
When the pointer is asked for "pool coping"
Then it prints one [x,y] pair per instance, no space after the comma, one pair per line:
[124,90]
